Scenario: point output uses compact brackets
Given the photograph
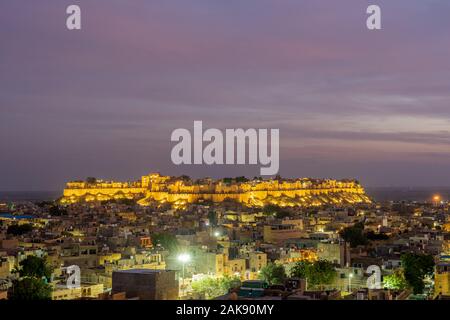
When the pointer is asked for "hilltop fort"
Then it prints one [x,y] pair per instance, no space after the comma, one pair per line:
[180,191]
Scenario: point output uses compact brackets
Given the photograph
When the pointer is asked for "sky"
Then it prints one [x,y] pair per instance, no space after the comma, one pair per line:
[103,101]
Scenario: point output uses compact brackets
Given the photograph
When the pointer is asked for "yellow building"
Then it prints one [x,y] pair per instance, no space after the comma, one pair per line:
[446,227]
[7,265]
[278,233]
[235,267]
[297,223]
[109,258]
[83,291]
[442,279]
[257,261]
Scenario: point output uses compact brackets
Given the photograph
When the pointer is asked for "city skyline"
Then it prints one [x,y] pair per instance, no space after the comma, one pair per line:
[102,101]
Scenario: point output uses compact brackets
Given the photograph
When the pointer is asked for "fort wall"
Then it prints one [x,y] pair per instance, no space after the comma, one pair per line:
[180,192]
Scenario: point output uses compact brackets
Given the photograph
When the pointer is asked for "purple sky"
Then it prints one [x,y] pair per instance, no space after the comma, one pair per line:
[103,101]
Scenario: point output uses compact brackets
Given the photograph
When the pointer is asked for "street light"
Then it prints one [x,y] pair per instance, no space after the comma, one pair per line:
[350,276]
[184,258]
[216,234]
[436,199]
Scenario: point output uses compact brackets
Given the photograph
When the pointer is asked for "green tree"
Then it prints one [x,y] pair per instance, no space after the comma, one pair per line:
[300,269]
[270,209]
[372,236]
[91,180]
[354,235]
[211,287]
[30,288]
[227,180]
[274,210]
[416,267]
[34,274]
[43,204]
[273,274]
[318,273]
[57,211]
[395,281]
[18,230]
[321,273]
[35,267]
[212,217]
[166,240]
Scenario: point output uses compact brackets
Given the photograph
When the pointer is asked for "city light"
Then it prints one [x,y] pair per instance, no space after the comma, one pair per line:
[216,234]
[184,258]
[350,276]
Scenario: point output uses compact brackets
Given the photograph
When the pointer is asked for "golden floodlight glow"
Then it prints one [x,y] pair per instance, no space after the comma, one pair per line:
[177,192]
[436,197]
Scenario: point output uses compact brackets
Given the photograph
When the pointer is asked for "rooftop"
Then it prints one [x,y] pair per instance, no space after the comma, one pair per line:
[141,271]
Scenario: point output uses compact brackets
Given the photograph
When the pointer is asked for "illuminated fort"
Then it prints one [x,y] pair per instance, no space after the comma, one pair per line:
[181,191]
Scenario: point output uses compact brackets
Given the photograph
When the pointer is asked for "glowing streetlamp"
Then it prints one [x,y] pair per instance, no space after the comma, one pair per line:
[184,258]
[216,234]
[350,276]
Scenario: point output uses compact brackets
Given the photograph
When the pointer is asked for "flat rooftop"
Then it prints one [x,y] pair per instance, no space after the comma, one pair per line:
[141,271]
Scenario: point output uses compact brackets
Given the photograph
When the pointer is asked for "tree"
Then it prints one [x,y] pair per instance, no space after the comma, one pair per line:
[43,204]
[91,180]
[354,235]
[318,273]
[57,211]
[34,274]
[18,230]
[270,209]
[30,288]
[395,281]
[300,269]
[211,287]
[212,217]
[321,273]
[277,211]
[166,240]
[416,268]
[35,267]
[372,236]
[273,274]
